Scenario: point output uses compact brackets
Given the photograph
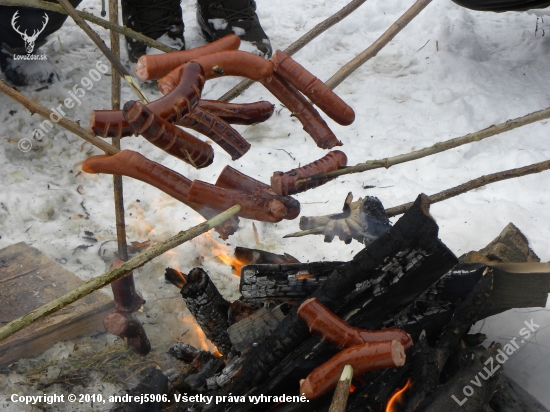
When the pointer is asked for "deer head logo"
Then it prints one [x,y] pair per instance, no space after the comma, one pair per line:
[29,40]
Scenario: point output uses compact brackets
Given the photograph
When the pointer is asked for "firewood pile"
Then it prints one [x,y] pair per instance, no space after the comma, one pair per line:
[398,313]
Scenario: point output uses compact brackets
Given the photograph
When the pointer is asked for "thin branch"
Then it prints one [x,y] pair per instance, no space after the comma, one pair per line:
[373,50]
[34,107]
[476,183]
[104,49]
[114,274]
[46,5]
[438,147]
[299,44]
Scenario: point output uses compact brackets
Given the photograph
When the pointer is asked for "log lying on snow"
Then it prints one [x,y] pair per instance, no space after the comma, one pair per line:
[208,307]
[410,250]
[290,282]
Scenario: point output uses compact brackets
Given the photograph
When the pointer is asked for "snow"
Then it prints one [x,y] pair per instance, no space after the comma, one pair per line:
[450,72]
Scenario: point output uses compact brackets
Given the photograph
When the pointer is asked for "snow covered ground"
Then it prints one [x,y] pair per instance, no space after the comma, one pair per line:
[450,72]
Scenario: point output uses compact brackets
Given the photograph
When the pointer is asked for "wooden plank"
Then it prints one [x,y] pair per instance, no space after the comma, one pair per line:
[28,280]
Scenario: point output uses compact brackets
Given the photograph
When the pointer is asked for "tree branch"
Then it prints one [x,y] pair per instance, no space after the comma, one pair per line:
[299,44]
[114,274]
[46,5]
[34,107]
[373,50]
[436,148]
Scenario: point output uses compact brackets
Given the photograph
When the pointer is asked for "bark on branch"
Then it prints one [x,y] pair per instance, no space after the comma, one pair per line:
[114,274]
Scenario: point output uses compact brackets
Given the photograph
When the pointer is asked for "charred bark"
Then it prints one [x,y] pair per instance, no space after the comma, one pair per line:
[208,307]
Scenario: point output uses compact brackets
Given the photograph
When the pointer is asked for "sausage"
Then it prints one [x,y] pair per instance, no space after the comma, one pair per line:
[126,325]
[134,165]
[216,129]
[233,179]
[363,358]
[235,63]
[285,183]
[323,322]
[173,140]
[172,107]
[238,113]
[313,88]
[155,66]
[253,206]
[124,291]
[294,101]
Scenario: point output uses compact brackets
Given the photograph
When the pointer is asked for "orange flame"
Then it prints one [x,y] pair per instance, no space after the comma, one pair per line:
[304,276]
[221,251]
[198,334]
[397,398]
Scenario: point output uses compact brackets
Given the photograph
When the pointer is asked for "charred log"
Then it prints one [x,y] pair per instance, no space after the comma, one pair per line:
[261,257]
[208,307]
[289,282]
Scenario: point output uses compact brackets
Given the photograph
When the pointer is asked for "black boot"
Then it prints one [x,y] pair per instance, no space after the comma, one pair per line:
[22,31]
[218,18]
[152,18]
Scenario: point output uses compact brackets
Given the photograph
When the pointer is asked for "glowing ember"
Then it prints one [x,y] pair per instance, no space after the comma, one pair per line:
[221,251]
[304,276]
[352,388]
[397,398]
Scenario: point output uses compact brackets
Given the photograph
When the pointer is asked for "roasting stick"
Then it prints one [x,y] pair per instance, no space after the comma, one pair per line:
[114,274]
[34,107]
[46,5]
[452,192]
[298,44]
[341,394]
[373,49]
[101,45]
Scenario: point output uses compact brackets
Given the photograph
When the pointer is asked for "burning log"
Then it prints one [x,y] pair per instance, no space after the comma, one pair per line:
[208,307]
[224,377]
[405,260]
[333,329]
[287,282]
[261,257]
[203,366]
[363,358]
[246,333]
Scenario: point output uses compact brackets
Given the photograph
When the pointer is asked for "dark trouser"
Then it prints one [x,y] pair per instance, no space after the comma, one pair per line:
[503,5]
[30,20]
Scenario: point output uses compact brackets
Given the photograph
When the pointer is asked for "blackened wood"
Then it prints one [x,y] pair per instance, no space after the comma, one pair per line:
[475,364]
[208,307]
[465,315]
[249,331]
[261,257]
[289,282]
[291,346]
[184,351]
[510,397]
[229,372]
[175,277]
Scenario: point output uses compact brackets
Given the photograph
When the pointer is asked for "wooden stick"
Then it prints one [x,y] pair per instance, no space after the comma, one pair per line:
[46,5]
[115,105]
[474,184]
[341,394]
[114,274]
[373,50]
[299,44]
[101,45]
[34,107]
[438,147]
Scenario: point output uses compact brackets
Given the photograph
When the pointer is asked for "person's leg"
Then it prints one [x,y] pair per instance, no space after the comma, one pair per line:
[503,5]
[153,18]
[17,27]
[218,18]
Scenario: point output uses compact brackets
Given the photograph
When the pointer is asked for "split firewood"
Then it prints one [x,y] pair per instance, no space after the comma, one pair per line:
[363,220]
[363,358]
[331,328]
